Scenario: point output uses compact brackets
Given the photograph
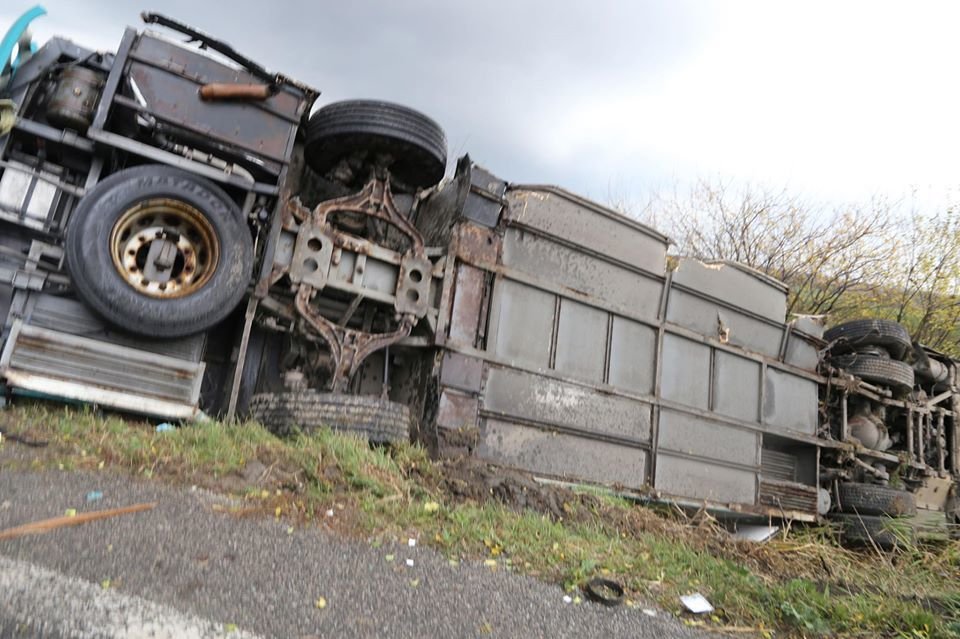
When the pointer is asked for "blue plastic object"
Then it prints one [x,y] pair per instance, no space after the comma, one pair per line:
[94,495]
[13,36]
[165,427]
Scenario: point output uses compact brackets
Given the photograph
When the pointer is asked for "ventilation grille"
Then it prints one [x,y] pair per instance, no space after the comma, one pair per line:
[788,496]
[777,465]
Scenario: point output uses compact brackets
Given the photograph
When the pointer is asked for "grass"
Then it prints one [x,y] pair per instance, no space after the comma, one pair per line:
[798,584]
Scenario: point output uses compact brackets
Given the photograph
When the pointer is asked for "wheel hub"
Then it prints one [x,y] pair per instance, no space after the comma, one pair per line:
[164,248]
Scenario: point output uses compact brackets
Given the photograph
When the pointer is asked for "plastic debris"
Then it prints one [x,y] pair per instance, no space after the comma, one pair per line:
[94,495]
[289,530]
[410,562]
[389,557]
[70,512]
[490,563]
[414,583]
[696,603]
[165,427]
[755,533]
[321,603]
[230,628]
[330,513]
[567,599]
[105,584]
[650,612]
[411,542]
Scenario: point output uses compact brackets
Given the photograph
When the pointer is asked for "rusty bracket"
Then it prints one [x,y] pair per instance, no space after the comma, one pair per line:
[348,347]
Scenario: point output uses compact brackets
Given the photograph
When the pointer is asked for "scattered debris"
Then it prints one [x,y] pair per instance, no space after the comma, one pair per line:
[650,612]
[330,513]
[431,506]
[389,557]
[696,603]
[47,525]
[321,603]
[70,512]
[412,542]
[490,563]
[94,495]
[567,599]
[414,583]
[604,591]
[755,533]
[165,427]
[410,562]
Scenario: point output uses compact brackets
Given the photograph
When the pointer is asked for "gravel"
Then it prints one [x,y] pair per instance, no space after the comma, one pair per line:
[189,564]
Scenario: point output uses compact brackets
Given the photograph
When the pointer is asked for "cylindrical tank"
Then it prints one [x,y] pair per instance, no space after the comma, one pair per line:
[74,98]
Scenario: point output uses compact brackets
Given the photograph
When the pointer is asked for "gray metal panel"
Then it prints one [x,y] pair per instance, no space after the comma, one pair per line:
[86,361]
[587,224]
[633,348]
[562,455]
[581,341]
[706,317]
[695,479]
[467,297]
[612,286]
[692,435]
[522,324]
[790,402]
[801,353]
[737,387]
[686,372]
[542,399]
[71,316]
[460,371]
[735,284]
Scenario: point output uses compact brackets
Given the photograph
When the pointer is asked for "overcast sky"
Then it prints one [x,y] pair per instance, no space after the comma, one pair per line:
[834,100]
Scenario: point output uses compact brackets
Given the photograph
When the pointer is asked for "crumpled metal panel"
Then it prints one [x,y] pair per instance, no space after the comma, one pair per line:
[562,455]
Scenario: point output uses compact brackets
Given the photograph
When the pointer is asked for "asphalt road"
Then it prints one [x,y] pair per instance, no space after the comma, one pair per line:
[186,570]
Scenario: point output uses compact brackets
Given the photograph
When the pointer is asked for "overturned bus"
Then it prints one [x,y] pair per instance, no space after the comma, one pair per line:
[181,233]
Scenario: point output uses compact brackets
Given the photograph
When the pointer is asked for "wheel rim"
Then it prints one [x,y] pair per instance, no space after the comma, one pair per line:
[164,248]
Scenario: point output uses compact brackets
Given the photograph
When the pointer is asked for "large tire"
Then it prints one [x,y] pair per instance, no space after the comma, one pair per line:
[868,499]
[851,336]
[377,420]
[178,202]
[886,533]
[416,144]
[880,370]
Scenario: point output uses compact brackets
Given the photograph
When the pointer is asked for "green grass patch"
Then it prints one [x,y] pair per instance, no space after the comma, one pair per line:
[799,584]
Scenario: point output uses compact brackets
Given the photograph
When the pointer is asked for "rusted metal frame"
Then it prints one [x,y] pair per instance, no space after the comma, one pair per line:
[133,105]
[277,221]
[918,442]
[348,347]
[910,442]
[117,71]
[241,357]
[593,206]
[554,427]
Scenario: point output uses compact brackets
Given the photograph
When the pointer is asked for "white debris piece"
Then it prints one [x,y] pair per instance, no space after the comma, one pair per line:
[696,603]
[755,533]
[330,513]
[411,542]
[410,562]
[650,612]
[567,599]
